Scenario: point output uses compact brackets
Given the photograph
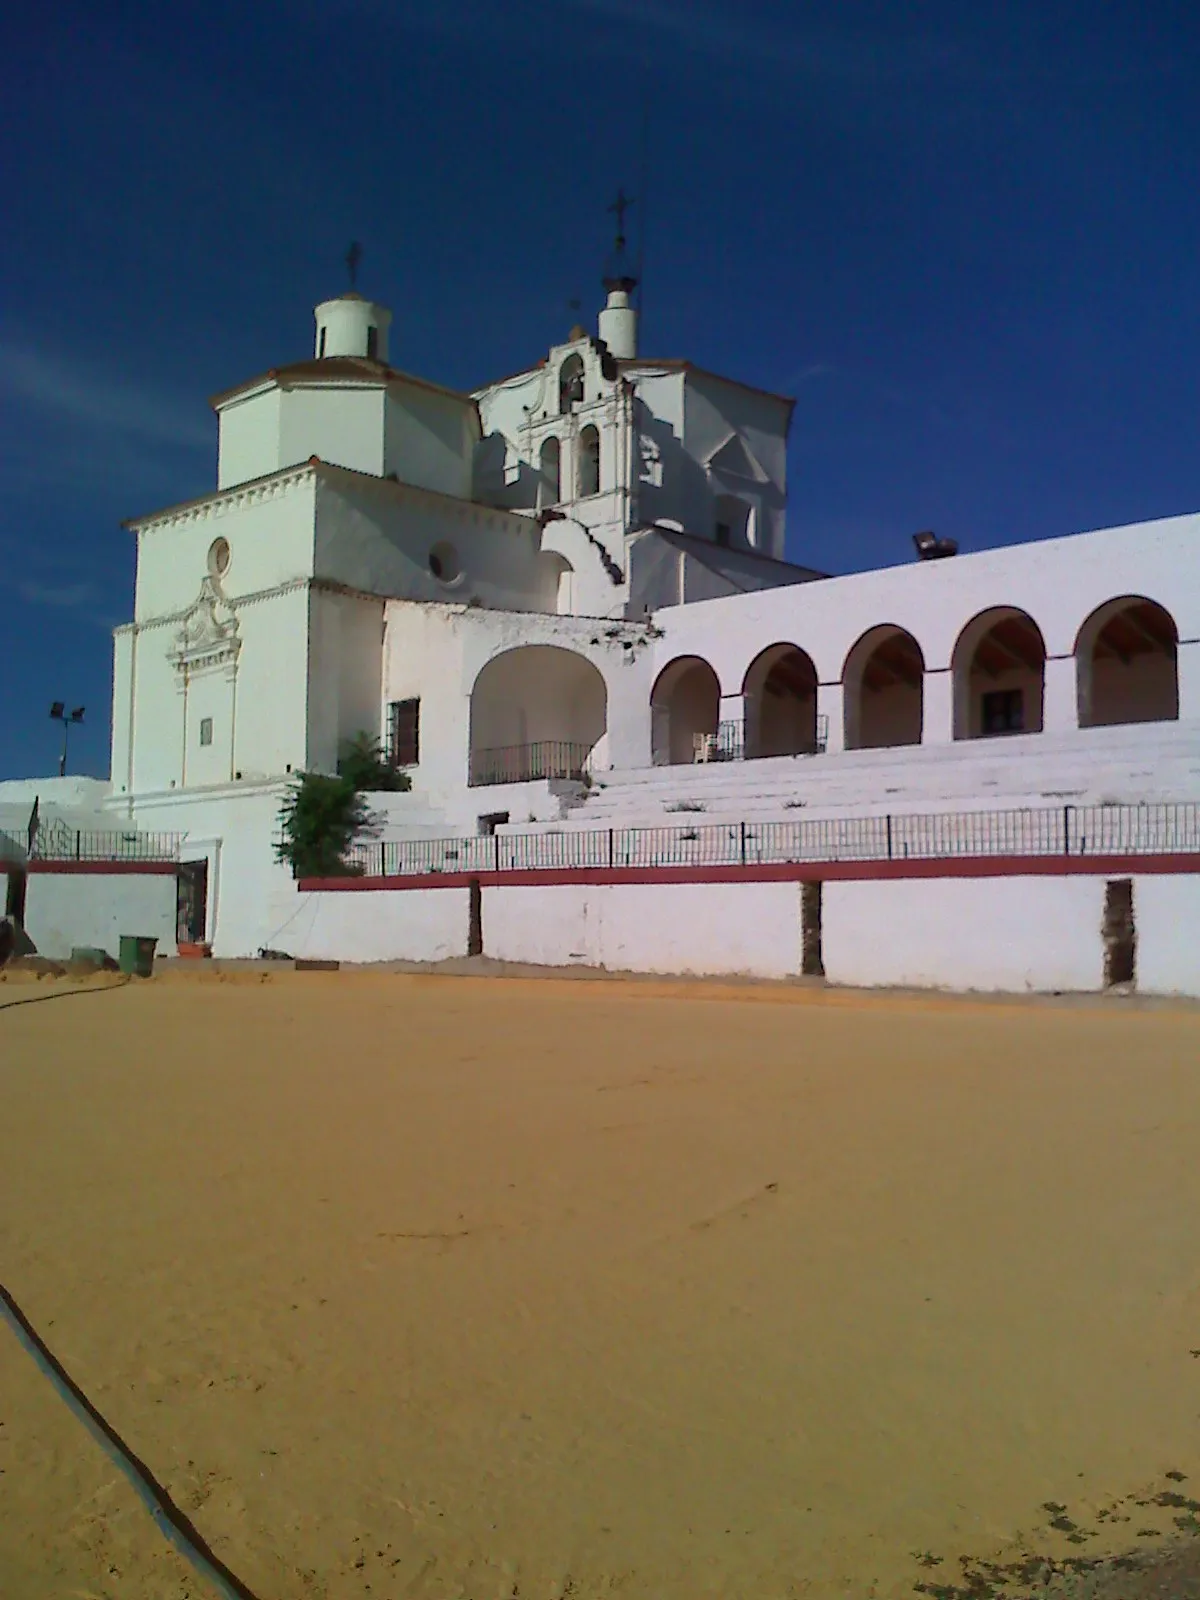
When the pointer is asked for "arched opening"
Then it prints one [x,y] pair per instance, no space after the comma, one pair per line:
[685,706]
[550,473]
[999,672]
[570,383]
[536,712]
[558,582]
[731,519]
[883,689]
[589,462]
[780,690]
[1126,664]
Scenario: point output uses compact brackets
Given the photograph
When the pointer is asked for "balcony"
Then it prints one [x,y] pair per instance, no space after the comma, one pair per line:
[527,763]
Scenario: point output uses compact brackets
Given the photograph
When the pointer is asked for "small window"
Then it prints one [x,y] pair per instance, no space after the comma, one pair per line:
[205,730]
[589,463]
[724,533]
[1003,711]
[404,733]
[372,343]
[321,343]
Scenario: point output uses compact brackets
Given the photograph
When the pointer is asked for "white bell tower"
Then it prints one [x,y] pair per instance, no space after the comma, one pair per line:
[618,321]
[352,325]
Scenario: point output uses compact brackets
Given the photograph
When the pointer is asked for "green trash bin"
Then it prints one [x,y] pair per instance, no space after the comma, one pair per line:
[137,955]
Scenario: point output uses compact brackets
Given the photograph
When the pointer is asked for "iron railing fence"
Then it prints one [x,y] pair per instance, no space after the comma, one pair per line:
[524,763]
[1150,829]
[56,841]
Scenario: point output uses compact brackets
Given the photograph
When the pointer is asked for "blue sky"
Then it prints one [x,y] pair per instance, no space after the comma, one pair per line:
[965,237]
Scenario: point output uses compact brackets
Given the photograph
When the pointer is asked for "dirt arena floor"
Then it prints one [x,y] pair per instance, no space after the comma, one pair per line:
[427,1286]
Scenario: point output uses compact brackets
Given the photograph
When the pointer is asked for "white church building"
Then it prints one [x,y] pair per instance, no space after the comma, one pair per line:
[637,735]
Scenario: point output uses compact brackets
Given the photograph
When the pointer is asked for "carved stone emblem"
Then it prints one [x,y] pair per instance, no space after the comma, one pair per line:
[208,634]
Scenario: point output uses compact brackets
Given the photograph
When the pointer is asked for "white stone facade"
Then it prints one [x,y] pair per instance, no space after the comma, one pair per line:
[560,603]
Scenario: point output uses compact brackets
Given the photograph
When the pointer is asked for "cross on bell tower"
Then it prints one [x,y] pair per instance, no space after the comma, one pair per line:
[353,257]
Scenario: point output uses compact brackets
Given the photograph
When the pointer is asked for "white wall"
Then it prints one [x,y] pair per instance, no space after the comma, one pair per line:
[697,928]
[344,666]
[377,536]
[248,438]
[429,439]
[66,909]
[343,425]
[965,933]
[1166,914]
[436,653]
[1058,582]
[363,925]
[269,528]
[251,897]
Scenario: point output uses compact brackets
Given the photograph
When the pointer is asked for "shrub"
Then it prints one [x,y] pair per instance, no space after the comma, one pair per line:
[319,821]
[363,763]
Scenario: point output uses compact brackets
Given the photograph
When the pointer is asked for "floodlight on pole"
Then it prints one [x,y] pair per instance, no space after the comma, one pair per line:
[59,713]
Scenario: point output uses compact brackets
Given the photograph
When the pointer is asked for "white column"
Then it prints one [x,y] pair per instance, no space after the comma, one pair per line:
[1060,712]
[731,723]
[937,720]
[830,702]
[1189,681]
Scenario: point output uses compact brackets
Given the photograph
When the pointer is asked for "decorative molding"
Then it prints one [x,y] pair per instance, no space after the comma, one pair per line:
[255,597]
[208,636]
[258,491]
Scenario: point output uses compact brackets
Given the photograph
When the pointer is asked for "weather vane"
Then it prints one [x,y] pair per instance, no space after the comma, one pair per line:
[619,207]
[353,257]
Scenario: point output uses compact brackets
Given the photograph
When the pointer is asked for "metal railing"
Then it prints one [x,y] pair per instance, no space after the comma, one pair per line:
[57,841]
[1151,829]
[524,763]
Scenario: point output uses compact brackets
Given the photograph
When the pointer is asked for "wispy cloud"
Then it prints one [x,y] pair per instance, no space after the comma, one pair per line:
[67,596]
[54,385]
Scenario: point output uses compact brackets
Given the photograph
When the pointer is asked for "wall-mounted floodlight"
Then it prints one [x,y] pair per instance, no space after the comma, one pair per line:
[931,548]
[59,713]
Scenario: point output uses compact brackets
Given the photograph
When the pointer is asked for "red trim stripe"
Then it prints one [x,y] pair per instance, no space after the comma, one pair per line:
[117,869]
[779,872]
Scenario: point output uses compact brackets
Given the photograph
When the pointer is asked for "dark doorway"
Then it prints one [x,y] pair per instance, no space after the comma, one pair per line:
[475,919]
[1120,933]
[192,902]
[14,898]
[811,964]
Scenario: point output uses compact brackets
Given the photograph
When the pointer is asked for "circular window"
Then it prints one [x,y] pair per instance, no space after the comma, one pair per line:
[443,562]
[218,557]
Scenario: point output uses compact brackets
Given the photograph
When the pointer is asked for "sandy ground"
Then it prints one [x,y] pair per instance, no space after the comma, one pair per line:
[420,1286]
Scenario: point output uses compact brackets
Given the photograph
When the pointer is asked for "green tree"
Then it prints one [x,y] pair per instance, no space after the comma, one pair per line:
[321,817]
[362,761]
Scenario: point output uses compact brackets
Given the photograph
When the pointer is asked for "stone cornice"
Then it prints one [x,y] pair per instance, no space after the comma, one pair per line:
[210,506]
[173,618]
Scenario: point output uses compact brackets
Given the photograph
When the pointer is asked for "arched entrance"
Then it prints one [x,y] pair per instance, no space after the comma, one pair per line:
[780,689]
[685,704]
[999,671]
[883,685]
[1126,664]
[536,712]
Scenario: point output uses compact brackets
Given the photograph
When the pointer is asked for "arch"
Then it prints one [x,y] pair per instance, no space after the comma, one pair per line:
[537,711]
[570,382]
[588,473]
[558,582]
[1127,664]
[685,703]
[550,472]
[780,690]
[883,690]
[731,520]
[999,675]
